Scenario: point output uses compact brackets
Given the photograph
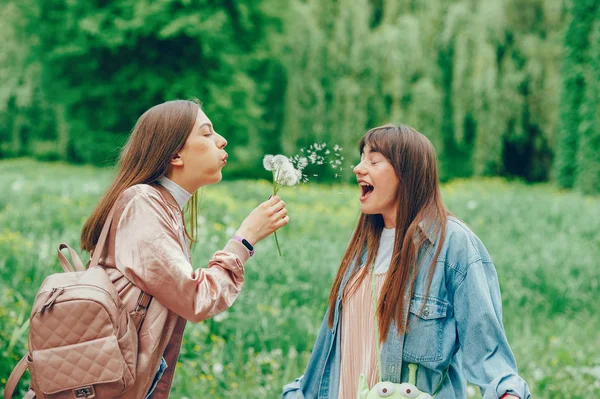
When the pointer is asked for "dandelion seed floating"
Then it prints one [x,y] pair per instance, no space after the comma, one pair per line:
[290,171]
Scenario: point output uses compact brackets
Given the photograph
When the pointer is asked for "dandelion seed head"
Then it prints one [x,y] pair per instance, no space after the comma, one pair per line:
[287,177]
[279,160]
[285,173]
[268,162]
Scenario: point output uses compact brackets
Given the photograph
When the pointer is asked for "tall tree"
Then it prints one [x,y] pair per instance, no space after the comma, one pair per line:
[19,74]
[577,40]
[106,62]
[588,159]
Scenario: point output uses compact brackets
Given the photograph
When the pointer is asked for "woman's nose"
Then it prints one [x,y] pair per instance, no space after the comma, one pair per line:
[359,169]
[222,142]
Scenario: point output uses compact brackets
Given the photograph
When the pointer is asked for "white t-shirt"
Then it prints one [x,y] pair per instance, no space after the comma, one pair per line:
[386,247]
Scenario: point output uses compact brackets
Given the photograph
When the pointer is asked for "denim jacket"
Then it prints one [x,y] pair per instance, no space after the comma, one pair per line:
[459,329]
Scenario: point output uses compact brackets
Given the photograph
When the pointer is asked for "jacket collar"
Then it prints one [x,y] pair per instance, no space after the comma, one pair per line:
[179,193]
[167,196]
[429,227]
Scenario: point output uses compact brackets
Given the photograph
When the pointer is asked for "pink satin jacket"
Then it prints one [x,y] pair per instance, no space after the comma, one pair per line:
[146,250]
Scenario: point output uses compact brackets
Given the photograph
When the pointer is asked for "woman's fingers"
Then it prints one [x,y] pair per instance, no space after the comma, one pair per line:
[272,201]
[282,222]
[268,217]
[276,208]
[281,214]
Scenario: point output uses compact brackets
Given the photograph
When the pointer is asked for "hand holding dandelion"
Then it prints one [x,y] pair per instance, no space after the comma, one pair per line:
[265,219]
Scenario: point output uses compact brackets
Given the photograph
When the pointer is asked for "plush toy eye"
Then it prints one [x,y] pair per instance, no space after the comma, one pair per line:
[385,389]
[408,390]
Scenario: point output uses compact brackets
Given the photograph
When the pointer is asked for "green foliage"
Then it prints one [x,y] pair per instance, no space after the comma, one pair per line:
[501,87]
[588,161]
[104,64]
[574,91]
[472,76]
[541,240]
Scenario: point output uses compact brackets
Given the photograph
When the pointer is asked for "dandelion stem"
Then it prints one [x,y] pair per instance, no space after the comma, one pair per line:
[275,189]
[277,242]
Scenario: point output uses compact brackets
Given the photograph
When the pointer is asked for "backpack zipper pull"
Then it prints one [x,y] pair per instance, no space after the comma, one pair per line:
[55,293]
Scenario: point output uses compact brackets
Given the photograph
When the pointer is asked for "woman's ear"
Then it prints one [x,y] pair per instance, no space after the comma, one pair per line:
[176,160]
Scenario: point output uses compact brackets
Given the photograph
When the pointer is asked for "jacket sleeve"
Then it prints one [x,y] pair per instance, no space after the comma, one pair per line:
[308,384]
[293,390]
[149,252]
[487,358]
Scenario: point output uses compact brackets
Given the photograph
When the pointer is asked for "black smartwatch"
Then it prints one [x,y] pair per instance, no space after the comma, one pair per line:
[245,243]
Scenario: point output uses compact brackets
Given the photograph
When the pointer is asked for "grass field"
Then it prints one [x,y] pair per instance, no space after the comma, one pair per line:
[545,245]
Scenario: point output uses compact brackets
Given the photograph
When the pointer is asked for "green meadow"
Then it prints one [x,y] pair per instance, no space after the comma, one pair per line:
[545,244]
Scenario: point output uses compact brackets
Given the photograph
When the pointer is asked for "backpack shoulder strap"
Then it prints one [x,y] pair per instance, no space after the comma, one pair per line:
[140,310]
[64,262]
[102,239]
[144,299]
[15,377]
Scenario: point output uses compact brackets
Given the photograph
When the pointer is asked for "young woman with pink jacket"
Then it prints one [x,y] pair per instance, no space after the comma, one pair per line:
[173,151]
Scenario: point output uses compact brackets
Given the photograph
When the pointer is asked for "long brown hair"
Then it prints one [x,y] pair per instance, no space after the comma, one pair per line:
[158,135]
[419,199]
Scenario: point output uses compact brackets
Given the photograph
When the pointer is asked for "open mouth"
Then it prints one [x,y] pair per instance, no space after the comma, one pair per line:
[366,190]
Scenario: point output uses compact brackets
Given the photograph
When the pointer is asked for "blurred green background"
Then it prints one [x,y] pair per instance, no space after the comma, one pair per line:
[502,87]
[507,90]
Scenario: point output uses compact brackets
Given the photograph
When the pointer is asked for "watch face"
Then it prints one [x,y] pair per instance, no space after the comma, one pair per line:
[247,244]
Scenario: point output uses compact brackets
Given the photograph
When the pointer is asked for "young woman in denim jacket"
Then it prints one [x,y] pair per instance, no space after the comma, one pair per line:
[436,288]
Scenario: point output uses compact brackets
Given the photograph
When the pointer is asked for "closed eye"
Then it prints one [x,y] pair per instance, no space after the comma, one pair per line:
[206,130]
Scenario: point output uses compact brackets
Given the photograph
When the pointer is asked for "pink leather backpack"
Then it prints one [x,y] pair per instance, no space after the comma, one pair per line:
[82,341]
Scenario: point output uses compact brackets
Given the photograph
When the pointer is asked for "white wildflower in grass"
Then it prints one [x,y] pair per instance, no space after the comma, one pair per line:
[290,171]
[221,317]
[217,368]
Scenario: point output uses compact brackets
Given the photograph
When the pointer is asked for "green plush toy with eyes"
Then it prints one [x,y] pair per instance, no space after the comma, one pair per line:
[390,390]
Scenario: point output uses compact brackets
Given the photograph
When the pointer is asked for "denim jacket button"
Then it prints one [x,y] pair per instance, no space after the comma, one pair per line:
[426,311]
